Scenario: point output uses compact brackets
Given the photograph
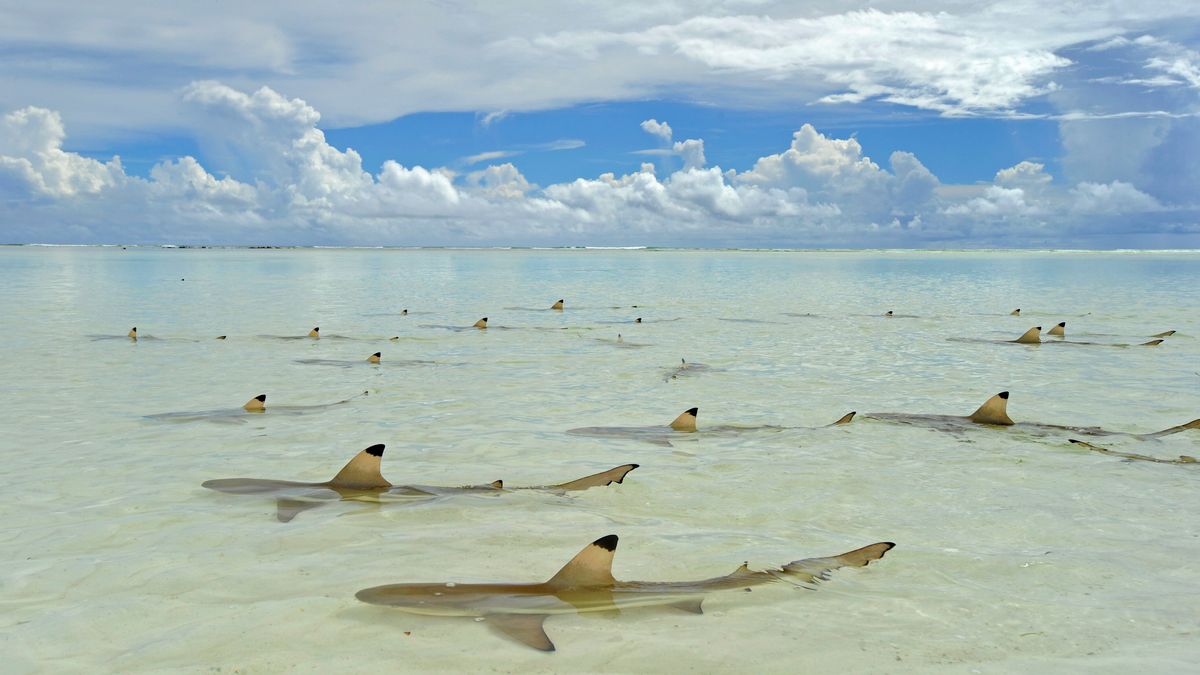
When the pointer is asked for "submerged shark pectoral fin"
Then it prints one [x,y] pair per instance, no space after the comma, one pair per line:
[590,567]
[844,419]
[993,411]
[256,404]
[817,569]
[286,509]
[524,628]
[362,471]
[686,420]
[614,475]
[691,605]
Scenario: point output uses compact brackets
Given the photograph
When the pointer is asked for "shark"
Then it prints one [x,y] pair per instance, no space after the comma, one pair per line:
[255,406]
[131,336]
[1033,336]
[374,359]
[586,585]
[684,368]
[360,480]
[623,343]
[481,324]
[994,413]
[685,423]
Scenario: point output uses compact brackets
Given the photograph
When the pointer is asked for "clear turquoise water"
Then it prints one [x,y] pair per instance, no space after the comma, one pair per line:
[1015,553]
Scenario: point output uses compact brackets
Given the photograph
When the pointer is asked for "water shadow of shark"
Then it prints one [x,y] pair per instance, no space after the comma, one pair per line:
[684,424]
[361,480]
[255,406]
[586,585]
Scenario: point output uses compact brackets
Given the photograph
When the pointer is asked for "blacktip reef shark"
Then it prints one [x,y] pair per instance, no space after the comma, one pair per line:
[131,336]
[623,343]
[481,324]
[1033,336]
[1183,459]
[361,480]
[557,306]
[372,360]
[684,368]
[685,423]
[994,413]
[255,406]
[586,585]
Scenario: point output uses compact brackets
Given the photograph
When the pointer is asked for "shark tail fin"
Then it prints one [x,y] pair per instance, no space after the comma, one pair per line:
[557,305]
[1059,330]
[374,358]
[132,332]
[1165,333]
[993,411]
[524,628]
[315,332]
[362,471]
[614,475]
[1152,343]
[481,324]
[256,404]
[1032,336]
[845,419]
[686,420]
[590,567]
[812,570]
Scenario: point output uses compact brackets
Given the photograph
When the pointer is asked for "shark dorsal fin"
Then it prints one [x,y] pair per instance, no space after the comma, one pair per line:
[498,484]
[590,567]
[1152,343]
[993,411]
[1165,333]
[1032,336]
[686,420]
[1060,330]
[256,404]
[132,333]
[480,324]
[362,471]
[889,313]
[374,358]
[404,312]
[1015,312]
[315,332]
[619,338]
[557,305]
[844,419]
[221,337]
[638,320]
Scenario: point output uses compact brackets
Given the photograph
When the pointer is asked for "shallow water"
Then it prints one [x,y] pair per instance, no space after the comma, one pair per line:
[1015,553]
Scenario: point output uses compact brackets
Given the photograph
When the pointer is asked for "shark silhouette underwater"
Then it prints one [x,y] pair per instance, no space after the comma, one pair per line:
[586,585]
[134,336]
[374,359]
[686,369]
[994,413]
[361,480]
[1033,336]
[255,406]
[684,424]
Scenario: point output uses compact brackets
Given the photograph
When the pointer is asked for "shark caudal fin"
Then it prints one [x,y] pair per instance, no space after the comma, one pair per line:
[1015,312]
[132,333]
[374,358]
[1152,343]
[1165,333]
[315,332]
[590,567]
[557,305]
[993,411]
[1032,336]
[614,475]
[1058,331]
[845,419]
[686,420]
[480,324]
[256,404]
[362,471]
[812,570]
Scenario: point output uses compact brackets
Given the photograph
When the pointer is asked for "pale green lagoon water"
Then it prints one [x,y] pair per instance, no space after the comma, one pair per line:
[1014,553]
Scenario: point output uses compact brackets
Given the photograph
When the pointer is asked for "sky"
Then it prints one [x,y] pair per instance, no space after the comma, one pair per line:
[748,123]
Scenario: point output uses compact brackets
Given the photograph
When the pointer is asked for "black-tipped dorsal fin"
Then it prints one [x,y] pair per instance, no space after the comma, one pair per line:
[482,323]
[221,337]
[1030,337]
[132,332]
[1015,312]
[315,332]
[845,419]
[557,305]
[613,475]
[1152,343]
[686,420]
[817,569]
[362,471]
[498,484]
[256,404]
[993,411]
[1165,333]
[524,628]
[374,358]
[1058,330]
[590,567]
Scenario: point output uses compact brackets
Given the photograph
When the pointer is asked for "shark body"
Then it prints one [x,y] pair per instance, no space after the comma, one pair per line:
[586,585]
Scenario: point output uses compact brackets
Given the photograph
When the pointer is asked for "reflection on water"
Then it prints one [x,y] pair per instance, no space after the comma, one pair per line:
[1015,551]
